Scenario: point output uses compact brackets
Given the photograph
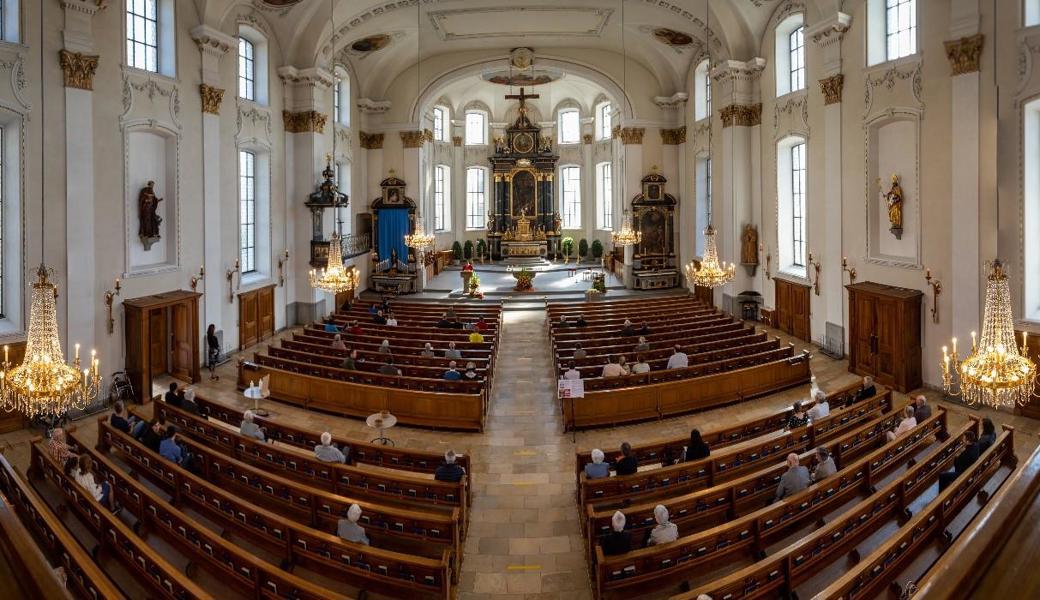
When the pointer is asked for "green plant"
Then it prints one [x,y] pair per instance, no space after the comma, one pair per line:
[583,248]
[481,248]
[567,245]
[456,250]
[524,280]
[597,249]
[474,282]
[467,249]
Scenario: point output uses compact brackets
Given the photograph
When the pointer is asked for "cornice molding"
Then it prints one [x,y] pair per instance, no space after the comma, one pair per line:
[79,69]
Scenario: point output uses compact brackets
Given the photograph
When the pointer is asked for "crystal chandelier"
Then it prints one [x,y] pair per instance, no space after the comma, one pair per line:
[44,384]
[419,240]
[335,278]
[712,273]
[627,236]
[995,373]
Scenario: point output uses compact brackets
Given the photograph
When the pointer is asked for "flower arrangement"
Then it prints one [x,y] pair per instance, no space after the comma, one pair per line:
[524,280]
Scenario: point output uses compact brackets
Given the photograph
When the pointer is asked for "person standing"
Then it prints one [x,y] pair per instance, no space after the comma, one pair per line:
[212,351]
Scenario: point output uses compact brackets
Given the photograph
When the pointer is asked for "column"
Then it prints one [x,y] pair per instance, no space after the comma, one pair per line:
[213,45]
[84,285]
[673,153]
[631,183]
[412,143]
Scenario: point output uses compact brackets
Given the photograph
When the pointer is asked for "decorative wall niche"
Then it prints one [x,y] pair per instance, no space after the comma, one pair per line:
[152,154]
[893,148]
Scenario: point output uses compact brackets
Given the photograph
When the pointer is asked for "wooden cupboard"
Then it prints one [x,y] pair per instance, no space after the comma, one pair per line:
[885,334]
[791,308]
[255,316]
[162,336]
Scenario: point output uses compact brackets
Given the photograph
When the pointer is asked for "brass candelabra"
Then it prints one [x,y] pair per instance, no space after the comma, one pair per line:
[815,264]
[937,288]
[230,275]
[110,295]
[196,279]
[847,269]
[282,261]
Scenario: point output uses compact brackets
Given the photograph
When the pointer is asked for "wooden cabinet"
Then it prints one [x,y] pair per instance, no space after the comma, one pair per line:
[885,334]
[791,308]
[255,316]
[162,336]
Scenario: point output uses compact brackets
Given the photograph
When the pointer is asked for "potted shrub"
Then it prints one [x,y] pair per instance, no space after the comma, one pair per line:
[597,249]
[583,249]
[481,249]
[567,246]
[456,251]
[467,250]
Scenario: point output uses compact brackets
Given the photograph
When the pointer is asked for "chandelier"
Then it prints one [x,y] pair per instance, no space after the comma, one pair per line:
[44,384]
[712,273]
[627,236]
[419,240]
[335,278]
[995,373]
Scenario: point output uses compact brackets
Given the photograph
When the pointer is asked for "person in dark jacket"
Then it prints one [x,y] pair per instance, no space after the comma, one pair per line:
[212,351]
[153,435]
[618,541]
[628,464]
[962,463]
[698,448]
[172,397]
[867,390]
[449,471]
[989,435]
[119,419]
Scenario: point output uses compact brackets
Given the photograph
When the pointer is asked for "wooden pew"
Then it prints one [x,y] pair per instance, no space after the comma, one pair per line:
[795,564]
[592,374]
[670,450]
[664,321]
[407,369]
[669,398]
[602,344]
[84,578]
[403,344]
[370,356]
[751,534]
[233,565]
[390,457]
[558,309]
[224,481]
[739,338]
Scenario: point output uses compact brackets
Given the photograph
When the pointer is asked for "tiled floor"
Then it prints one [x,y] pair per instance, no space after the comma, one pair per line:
[524,540]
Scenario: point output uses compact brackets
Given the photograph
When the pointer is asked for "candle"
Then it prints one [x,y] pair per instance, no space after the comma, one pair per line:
[844,261]
[77,351]
[6,348]
[955,345]
[973,340]
[927,273]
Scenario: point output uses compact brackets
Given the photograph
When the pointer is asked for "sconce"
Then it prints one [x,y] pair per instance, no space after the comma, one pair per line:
[769,259]
[109,297]
[936,290]
[195,279]
[230,275]
[282,261]
[850,270]
[815,264]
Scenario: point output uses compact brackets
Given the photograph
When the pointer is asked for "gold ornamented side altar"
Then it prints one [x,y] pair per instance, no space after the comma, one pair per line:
[522,246]
[654,265]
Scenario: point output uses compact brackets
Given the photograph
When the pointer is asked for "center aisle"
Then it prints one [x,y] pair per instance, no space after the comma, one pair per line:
[524,539]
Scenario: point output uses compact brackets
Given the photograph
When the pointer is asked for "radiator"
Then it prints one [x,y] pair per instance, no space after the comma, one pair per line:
[834,341]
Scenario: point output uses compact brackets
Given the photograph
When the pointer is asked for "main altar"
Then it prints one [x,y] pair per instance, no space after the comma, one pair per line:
[523,225]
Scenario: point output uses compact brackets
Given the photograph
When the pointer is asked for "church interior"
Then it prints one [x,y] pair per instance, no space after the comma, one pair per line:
[530,300]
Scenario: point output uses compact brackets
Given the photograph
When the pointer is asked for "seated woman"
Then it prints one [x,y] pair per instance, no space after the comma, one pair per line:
[618,541]
[251,429]
[798,417]
[84,476]
[909,422]
[665,531]
[59,450]
[348,529]
[597,469]
[330,325]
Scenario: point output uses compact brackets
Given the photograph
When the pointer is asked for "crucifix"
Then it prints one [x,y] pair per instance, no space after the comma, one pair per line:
[522,97]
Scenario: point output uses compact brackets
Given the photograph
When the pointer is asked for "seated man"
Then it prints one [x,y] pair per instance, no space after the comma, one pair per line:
[597,469]
[449,471]
[351,360]
[964,460]
[388,368]
[571,373]
[188,401]
[373,309]
[330,325]
[476,337]
[443,322]
[251,429]
[452,373]
[627,330]
[152,436]
[678,359]
[794,479]
[628,464]
[348,529]
[921,409]
[867,390]
[451,352]
[642,345]
[643,329]
[613,368]
[580,321]
[355,328]
[171,396]
[617,541]
[427,351]
[824,465]
[641,366]
[579,352]
[379,319]
[169,448]
[821,409]
[391,320]
[327,452]
[119,420]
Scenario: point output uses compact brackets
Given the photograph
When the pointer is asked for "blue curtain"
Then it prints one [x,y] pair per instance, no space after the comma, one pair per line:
[393,226]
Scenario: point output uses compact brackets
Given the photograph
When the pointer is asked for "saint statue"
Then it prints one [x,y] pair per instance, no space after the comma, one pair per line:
[149,219]
[894,199]
[557,222]
[491,222]
[749,245]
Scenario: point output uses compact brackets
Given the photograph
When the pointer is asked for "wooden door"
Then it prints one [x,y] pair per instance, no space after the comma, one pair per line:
[248,320]
[782,302]
[863,333]
[800,312]
[182,326]
[265,311]
[157,341]
[887,340]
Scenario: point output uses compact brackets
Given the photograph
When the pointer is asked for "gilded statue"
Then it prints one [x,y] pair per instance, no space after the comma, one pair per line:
[148,216]
[894,200]
[749,245]
[557,222]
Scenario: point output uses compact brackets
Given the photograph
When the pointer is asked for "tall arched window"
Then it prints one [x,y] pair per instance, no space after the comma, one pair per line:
[440,124]
[344,218]
[791,159]
[1031,209]
[476,197]
[604,121]
[569,125]
[790,55]
[254,212]
[252,65]
[891,30]
[476,128]
[9,21]
[702,91]
[149,34]
[247,211]
[604,196]
[570,196]
[703,200]
[341,97]
[441,198]
[11,277]
[1031,13]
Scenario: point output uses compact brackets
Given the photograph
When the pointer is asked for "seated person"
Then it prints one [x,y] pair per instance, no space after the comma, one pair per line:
[794,479]
[697,449]
[989,435]
[449,470]
[921,409]
[327,452]
[84,476]
[640,366]
[452,373]
[867,390]
[642,345]
[251,429]
[579,352]
[471,372]
[798,417]
[964,460]
[821,409]
[169,448]
[627,330]
[384,347]
[468,267]
[379,318]
[59,450]
[904,427]
[824,465]
[628,464]
[643,329]
[613,368]
[355,328]
[188,400]
[171,396]
[388,368]
[618,541]
[481,325]
[350,361]
[348,529]
[678,359]
[153,436]
[455,323]
[119,420]
[427,351]
[476,337]
[373,309]
[451,352]
[571,373]
[624,364]
[597,469]
[337,342]
[665,531]
[391,320]
[444,323]
[330,325]
[580,321]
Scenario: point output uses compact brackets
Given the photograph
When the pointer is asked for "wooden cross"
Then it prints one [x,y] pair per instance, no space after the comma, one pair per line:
[521,97]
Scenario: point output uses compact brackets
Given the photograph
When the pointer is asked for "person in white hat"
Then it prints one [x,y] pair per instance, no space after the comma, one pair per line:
[618,541]
[326,452]
[666,531]
[348,529]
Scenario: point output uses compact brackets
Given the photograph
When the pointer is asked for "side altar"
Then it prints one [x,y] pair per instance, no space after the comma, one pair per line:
[523,224]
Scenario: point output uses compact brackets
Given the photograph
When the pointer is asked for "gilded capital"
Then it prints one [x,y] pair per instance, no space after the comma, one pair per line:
[413,139]
[79,69]
[831,88]
[306,121]
[673,137]
[964,54]
[456,140]
[586,138]
[741,115]
[371,141]
[211,98]
[631,135]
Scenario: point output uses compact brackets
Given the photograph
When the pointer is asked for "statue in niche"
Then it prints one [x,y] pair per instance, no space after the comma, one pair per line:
[894,200]
[749,245]
[491,222]
[557,222]
[148,216]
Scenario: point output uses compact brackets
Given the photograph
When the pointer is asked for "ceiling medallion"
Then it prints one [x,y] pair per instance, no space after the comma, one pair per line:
[529,78]
[672,37]
[372,43]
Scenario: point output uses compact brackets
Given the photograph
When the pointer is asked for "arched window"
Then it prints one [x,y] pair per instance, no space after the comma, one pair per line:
[702,91]
[604,196]
[790,55]
[791,159]
[252,65]
[341,97]
[149,35]
[1031,13]
[441,198]
[702,188]
[9,21]
[476,128]
[476,197]
[11,297]
[570,196]
[891,30]
[604,121]
[569,126]
[254,212]
[1031,212]
[440,124]
[344,218]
